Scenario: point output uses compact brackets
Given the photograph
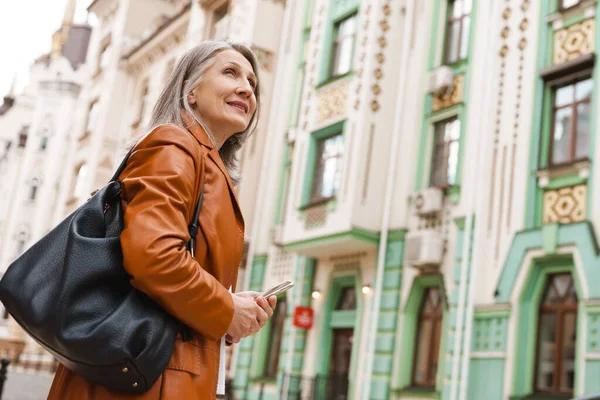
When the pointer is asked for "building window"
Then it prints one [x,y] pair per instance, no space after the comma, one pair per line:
[326,178]
[104,55]
[220,25]
[557,326]
[347,299]
[429,332]
[20,246]
[445,153]
[570,122]
[44,143]
[564,4]
[344,35]
[142,104]
[21,240]
[92,117]
[457,30]
[80,180]
[23,136]
[276,338]
[33,192]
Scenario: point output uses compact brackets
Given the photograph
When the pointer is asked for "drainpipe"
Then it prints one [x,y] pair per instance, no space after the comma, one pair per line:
[477,181]
[292,339]
[389,191]
[276,120]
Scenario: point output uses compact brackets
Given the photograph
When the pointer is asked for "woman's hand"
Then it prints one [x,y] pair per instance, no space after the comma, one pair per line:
[251,312]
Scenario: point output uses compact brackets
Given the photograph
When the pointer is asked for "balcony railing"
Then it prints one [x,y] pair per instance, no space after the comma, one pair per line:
[320,387]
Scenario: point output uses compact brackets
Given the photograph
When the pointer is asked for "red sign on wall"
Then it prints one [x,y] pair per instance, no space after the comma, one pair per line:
[303,317]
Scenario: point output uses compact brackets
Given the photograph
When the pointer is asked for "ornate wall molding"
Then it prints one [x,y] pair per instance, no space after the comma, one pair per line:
[566,206]
[332,101]
[444,100]
[384,25]
[574,41]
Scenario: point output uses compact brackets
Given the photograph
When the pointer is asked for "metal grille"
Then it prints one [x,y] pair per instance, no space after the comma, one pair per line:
[281,266]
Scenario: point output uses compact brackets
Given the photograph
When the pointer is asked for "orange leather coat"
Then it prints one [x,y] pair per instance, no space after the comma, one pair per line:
[161,185]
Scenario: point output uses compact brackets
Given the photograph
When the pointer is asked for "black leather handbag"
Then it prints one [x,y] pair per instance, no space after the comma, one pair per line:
[70,292]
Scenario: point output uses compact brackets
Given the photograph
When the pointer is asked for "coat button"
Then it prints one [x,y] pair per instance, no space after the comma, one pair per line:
[125,369]
[135,384]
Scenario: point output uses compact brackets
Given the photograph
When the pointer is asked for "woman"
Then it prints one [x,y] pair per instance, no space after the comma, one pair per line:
[205,113]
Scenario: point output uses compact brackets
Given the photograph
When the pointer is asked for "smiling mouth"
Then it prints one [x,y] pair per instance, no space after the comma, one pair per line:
[240,106]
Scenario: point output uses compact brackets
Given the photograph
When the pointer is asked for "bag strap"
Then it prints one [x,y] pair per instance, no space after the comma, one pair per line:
[193,226]
[185,330]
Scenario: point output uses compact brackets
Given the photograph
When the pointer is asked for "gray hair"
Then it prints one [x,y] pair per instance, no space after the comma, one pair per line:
[186,75]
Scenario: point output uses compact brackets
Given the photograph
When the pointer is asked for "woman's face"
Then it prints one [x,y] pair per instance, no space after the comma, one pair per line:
[224,99]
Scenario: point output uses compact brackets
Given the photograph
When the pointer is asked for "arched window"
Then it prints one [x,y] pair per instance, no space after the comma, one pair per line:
[557,323]
[34,187]
[429,332]
[22,237]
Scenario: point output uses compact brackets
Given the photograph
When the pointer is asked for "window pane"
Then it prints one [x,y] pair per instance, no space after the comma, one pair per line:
[453,41]
[344,56]
[435,348]
[438,167]
[564,96]
[546,351]
[467,6]
[551,296]
[452,162]
[567,370]
[464,41]
[583,89]
[562,282]
[347,27]
[347,299]
[569,3]
[276,335]
[562,135]
[457,8]
[422,352]
[328,179]
[452,131]
[583,130]
[80,180]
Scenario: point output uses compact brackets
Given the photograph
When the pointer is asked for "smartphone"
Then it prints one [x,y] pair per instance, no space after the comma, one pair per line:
[282,287]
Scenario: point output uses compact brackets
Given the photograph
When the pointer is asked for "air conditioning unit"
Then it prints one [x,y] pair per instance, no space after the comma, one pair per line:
[222,29]
[440,79]
[429,201]
[424,249]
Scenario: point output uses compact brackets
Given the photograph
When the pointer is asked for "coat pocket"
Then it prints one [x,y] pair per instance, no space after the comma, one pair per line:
[190,358]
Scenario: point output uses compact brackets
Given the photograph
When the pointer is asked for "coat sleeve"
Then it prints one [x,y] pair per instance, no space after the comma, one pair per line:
[159,196]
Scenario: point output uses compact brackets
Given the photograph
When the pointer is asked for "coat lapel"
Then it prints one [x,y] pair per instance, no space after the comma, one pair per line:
[199,133]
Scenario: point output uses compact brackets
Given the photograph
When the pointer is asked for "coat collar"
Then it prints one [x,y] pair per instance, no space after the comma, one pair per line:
[196,129]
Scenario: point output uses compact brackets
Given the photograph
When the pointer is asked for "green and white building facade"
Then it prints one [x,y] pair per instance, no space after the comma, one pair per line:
[429,183]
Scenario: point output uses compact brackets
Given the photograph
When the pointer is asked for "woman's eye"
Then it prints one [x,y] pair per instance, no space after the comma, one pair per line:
[230,72]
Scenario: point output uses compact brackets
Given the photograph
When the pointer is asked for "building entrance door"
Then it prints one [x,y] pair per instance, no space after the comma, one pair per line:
[339,366]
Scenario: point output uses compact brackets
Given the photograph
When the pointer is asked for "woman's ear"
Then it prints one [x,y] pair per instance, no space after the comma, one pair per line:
[191,98]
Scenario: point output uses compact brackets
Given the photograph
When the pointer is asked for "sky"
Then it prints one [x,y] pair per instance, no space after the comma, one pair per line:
[26,29]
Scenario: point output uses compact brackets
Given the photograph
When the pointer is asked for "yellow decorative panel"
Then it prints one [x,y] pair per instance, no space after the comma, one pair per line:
[332,101]
[574,41]
[566,205]
[444,99]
